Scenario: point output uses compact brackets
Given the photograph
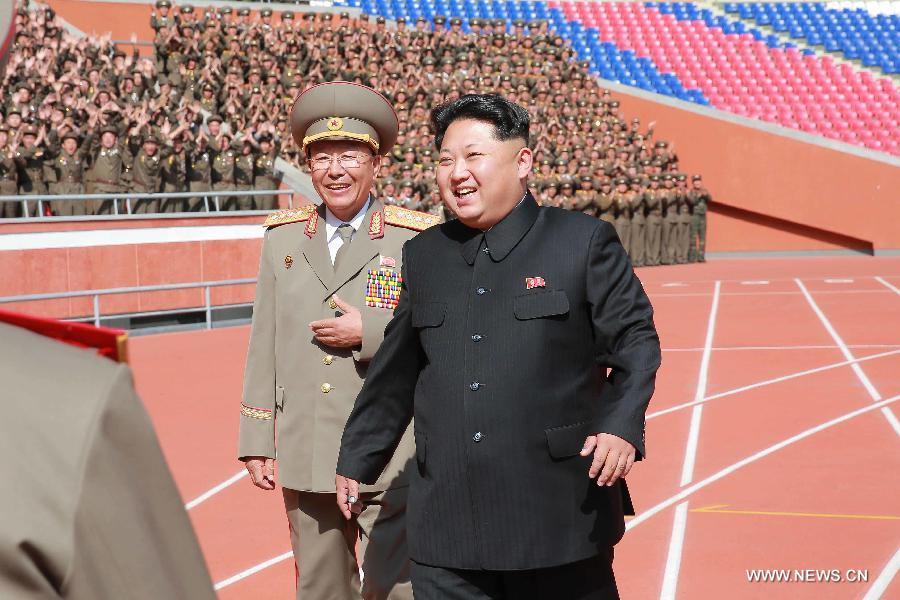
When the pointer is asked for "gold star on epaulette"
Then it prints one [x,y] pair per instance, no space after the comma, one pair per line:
[292,215]
[410,219]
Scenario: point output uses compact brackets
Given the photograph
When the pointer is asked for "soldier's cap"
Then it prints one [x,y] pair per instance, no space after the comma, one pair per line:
[208,86]
[379,19]
[667,177]
[406,183]
[474,22]
[266,12]
[456,21]
[519,23]
[586,178]
[345,111]
[681,177]
[287,15]
[244,12]
[29,129]
[187,8]
[163,4]
[440,19]
[109,129]
[697,178]
[584,162]
[363,16]
[212,118]
[152,138]
[565,184]
[327,16]
[661,144]
[635,181]
[605,181]
[344,14]
[621,181]
[401,19]
[654,177]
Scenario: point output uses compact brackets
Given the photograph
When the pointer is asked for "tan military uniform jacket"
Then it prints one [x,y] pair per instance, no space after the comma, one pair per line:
[91,511]
[300,392]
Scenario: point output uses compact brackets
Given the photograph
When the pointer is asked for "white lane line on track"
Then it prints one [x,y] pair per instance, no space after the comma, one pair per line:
[881,583]
[676,542]
[857,370]
[215,490]
[756,282]
[766,382]
[888,285]
[254,569]
[685,492]
[777,293]
[810,347]
[675,284]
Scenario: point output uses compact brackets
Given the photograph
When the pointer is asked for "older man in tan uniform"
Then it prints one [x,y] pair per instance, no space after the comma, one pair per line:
[329,279]
[93,511]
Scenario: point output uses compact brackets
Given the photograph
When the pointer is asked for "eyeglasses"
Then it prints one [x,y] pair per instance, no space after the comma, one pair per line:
[347,161]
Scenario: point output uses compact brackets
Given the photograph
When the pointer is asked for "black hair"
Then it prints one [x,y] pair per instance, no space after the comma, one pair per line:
[510,120]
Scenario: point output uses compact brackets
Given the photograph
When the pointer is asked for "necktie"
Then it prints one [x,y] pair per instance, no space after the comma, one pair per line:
[345,230]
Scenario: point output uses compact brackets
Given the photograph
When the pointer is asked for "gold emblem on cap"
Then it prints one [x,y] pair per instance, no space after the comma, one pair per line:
[335,124]
[288,261]
[326,387]
[328,359]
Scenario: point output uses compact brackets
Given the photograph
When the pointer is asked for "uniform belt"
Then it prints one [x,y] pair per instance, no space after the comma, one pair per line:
[106,181]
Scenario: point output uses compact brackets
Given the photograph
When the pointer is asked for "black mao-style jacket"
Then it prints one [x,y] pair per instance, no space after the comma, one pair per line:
[509,347]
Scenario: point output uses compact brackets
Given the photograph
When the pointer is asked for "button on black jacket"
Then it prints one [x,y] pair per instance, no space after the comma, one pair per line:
[505,383]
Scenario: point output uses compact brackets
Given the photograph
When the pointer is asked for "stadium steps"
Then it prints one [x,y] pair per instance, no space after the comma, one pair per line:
[718,9]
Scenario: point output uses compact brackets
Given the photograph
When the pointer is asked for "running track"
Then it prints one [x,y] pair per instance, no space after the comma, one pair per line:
[773,439]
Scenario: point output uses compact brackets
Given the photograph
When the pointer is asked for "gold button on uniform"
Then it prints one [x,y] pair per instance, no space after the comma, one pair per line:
[332,304]
[328,359]
[326,387]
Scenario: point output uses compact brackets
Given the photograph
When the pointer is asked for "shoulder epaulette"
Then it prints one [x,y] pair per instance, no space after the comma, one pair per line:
[411,219]
[291,215]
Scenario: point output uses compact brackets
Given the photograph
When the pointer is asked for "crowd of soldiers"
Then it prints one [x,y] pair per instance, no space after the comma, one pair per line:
[209,109]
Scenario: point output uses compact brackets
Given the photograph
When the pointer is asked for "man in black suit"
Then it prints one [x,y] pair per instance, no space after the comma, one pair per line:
[524,345]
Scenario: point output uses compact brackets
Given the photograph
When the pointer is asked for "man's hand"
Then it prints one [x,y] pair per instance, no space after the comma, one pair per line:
[262,471]
[613,457]
[345,489]
[341,332]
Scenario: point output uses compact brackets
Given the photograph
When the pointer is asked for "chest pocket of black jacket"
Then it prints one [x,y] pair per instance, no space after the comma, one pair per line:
[552,303]
[427,318]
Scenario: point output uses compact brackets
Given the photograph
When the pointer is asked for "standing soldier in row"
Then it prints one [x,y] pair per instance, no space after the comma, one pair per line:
[200,172]
[223,171]
[30,160]
[243,174]
[700,199]
[653,199]
[622,212]
[585,197]
[9,176]
[146,175]
[670,220]
[265,177]
[174,175]
[108,166]
[638,223]
[66,174]
[604,202]
[683,238]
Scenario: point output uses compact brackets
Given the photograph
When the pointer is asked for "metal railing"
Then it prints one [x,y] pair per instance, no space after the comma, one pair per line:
[126,198]
[96,294]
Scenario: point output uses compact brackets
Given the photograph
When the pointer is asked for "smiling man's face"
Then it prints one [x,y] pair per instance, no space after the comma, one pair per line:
[343,189]
[481,178]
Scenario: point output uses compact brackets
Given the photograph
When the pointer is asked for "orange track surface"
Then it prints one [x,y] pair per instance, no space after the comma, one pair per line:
[191,383]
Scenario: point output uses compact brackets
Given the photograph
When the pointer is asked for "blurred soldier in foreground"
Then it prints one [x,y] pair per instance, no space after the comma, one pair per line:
[95,513]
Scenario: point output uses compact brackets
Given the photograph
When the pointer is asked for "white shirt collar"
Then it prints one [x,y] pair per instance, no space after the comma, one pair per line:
[332,222]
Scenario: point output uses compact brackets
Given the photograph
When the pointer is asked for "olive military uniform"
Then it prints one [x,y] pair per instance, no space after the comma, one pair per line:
[96,513]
